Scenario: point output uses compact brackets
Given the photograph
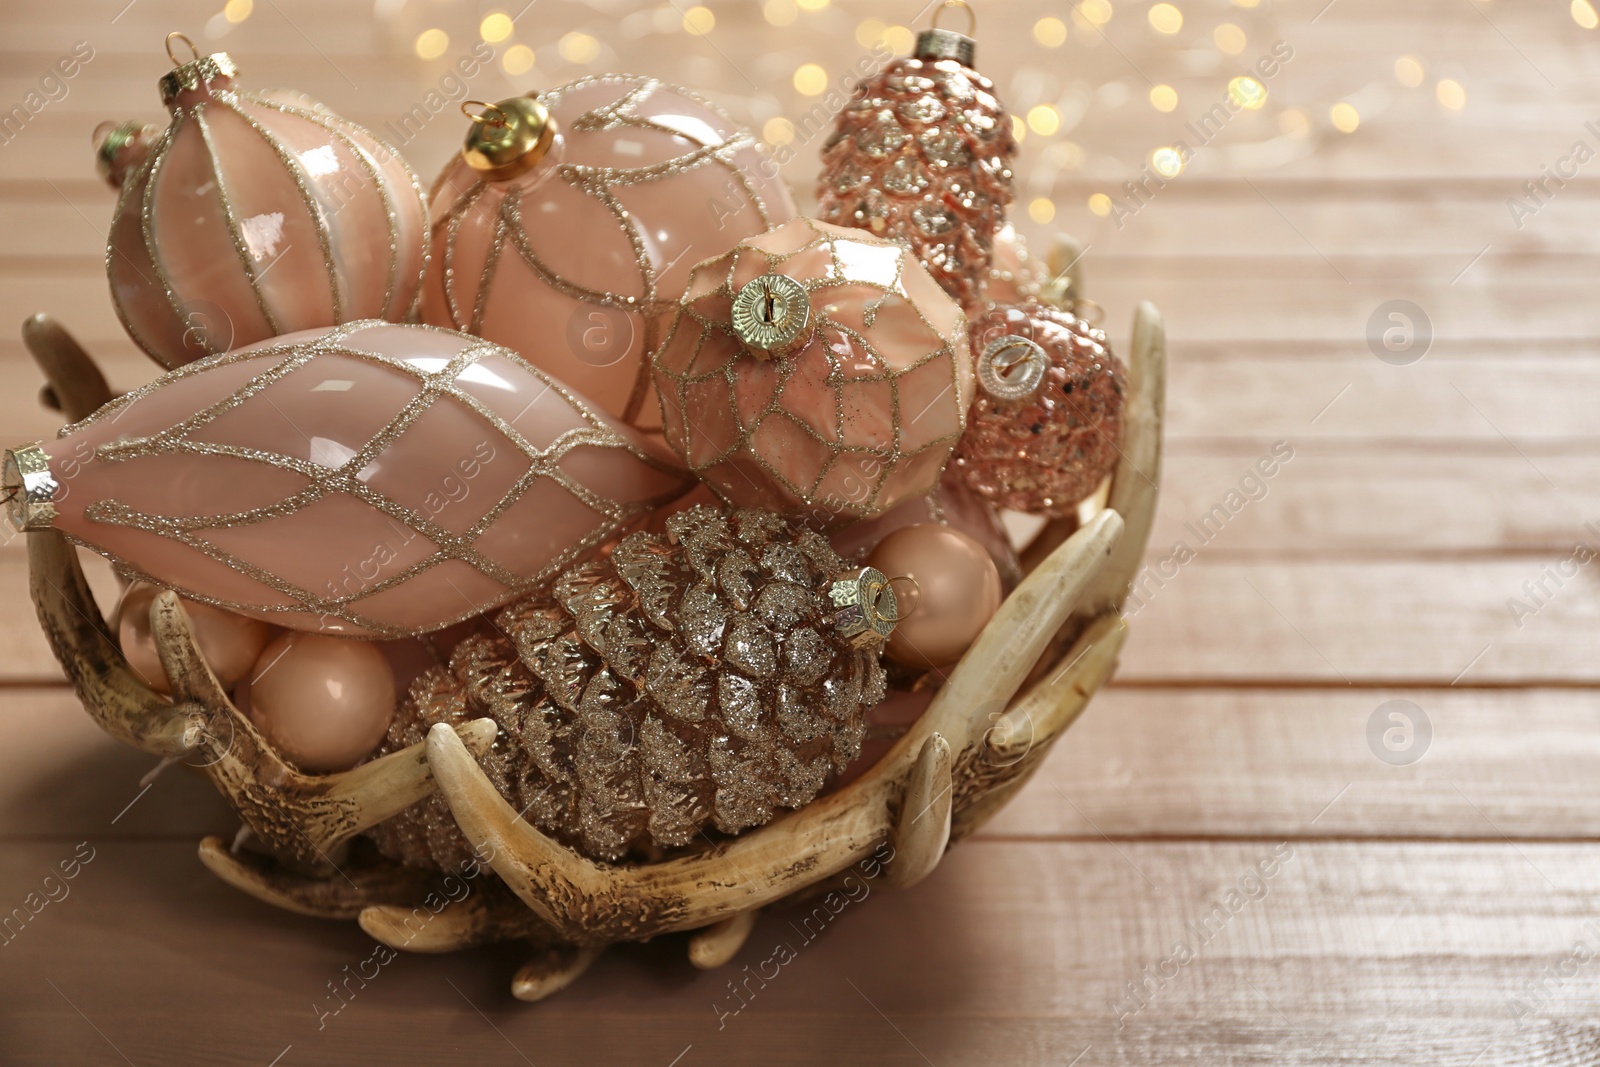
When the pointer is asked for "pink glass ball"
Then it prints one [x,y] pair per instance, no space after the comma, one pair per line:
[957,592]
[259,214]
[1015,275]
[230,643]
[858,414]
[572,262]
[373,479]
[323,702]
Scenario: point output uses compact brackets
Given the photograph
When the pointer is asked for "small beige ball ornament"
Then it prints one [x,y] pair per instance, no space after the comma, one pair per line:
[955,592]
[230,643]
[323,702]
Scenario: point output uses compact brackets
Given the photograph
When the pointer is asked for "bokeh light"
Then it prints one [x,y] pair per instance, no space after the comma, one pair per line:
[1408,71]
[432,43]
[1165,18]
[1163,97]
[1345,117]
[1050,32]
[495,27]
[1450,94]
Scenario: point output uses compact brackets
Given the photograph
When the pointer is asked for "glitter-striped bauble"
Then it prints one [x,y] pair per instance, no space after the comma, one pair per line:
[255,215]
[572,218]
[922,154]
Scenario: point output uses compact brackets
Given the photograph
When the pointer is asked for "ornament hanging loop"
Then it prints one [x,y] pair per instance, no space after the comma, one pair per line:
[498,114]
[916,598]
[972,16]
[194,53]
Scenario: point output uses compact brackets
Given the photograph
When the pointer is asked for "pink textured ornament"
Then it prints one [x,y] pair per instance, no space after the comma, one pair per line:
[957,592]
[572,218]
[323,702]
[1045,425]
[230,643]
[815,369]
[373,479]
[254,215]
[1015,276]
[922,154]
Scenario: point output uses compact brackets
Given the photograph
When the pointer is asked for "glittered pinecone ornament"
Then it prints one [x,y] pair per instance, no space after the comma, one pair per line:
[922,154]
[701,680]
[1043,431]
[374,479]
[571,218]
[254,215]
[815,370]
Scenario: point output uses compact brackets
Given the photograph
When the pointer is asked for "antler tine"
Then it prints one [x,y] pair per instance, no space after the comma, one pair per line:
[922,832]
[76,384]
[552,970]
[1054,704]
[1137,481]
[444,925]
[586,902]
[718,943]
[115,697]
[188,673]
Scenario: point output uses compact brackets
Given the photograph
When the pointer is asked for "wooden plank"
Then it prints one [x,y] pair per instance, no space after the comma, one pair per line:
[1207,763]
[1370,954]
[1141,763]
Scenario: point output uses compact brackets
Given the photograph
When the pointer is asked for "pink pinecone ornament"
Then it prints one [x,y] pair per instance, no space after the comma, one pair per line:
[815,370]
[1043,431]
[922,154]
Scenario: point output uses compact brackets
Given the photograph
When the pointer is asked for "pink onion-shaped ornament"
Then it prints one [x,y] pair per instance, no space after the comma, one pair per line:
[815,370]
[922,154]
[254,215]
[1045,425]
[571,219]
[372,479]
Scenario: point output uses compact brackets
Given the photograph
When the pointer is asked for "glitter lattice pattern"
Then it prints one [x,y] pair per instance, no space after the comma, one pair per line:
[373,479]
[860,416]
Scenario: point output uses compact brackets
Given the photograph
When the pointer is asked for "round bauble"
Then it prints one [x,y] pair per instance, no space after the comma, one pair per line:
[1015,276]
[922,153]
[571,219]
[323,702]
[1048,415]
[815,370]
[254,215]
[955,591]
[373,479]
[230,643]
[951,503]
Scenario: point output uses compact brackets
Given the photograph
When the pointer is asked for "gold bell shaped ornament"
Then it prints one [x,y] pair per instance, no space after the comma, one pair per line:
[570,220]
[252,215]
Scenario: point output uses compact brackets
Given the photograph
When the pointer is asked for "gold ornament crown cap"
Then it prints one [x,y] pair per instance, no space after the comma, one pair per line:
[507,138]
[29,487]
[772,314]
[938,43]
[198,72]
[864,606]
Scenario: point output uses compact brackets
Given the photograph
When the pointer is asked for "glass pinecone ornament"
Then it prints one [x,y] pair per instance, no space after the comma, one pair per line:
[1043,430]
[922,154]
[700,680]
[571,218]
[815,370]
[254,214]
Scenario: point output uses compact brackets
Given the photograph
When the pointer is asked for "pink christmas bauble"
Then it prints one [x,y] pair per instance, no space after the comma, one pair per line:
[956,592]
[815,370]
[1014,275]
[255,215]
[230,643]
[323,702]
[373,479]
[571,261]
[951,503]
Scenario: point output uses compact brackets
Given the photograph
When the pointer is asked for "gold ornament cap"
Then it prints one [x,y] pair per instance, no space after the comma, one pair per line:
[507,138]
[865,609]
[199,72]
[29,488]
[937,43]
[1011,367]
[772,314]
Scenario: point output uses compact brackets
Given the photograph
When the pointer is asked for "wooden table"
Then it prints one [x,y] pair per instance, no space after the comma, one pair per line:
[1433,902]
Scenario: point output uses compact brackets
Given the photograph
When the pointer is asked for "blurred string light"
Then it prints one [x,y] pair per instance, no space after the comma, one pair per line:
[810,79]
[1100,204]
[495,27]
[432,43]
[1450,94]
[1229,38]
[578,48]
[1165,18]
[777,131]
[1019,128]
[1050,32]
[237,11]
[1408,71]
[1163,97]
[518,59]
[699,21]
[1098,12]
[1583,14]
[1167,162]
[780,12]
[1247,92]
[1044,120]
[1345,117]
[869,32]
[812,5]
[1041,209]
[899,39]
